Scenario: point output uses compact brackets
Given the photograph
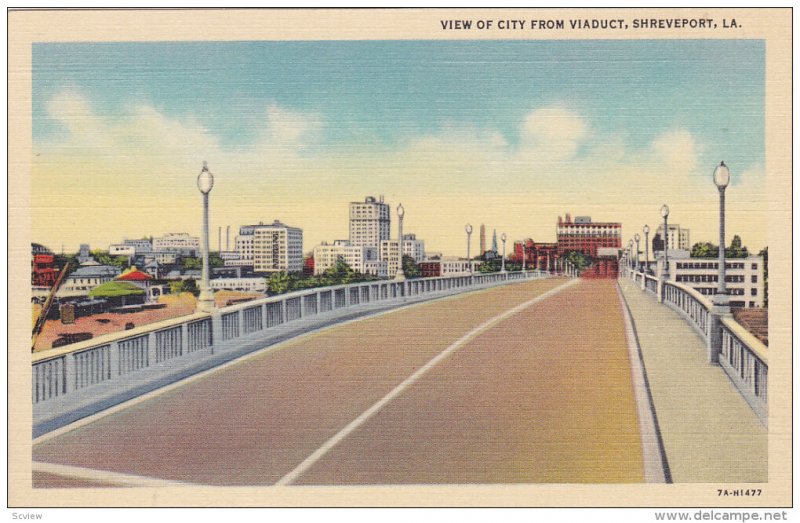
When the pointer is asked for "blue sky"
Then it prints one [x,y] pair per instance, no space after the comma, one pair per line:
[346,104]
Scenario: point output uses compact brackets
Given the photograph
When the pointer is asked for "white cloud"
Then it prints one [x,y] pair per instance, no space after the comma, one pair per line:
[553,132]
[285,127]
[444,179]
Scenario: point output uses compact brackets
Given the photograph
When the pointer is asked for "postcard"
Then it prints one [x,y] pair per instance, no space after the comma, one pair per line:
[400,257]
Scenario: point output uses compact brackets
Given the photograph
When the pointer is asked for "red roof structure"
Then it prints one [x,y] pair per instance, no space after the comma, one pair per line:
[134,275]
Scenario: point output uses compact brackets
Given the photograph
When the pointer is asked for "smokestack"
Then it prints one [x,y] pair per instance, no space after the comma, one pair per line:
[228,239]
[219,239]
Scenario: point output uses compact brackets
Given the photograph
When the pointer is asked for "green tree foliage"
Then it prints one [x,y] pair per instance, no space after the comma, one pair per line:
[177,287]
[410,268]
[190,263]
[214,260]
[710,250]
[765,254]
[339,274]
[104,258]
[493,265]
[579,259]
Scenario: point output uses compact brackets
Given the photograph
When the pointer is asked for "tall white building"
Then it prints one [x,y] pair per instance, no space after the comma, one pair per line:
[276,247]
[369,222]
[744,277]
[244,242]
[358,257]
[411,247]
[177,242]
[677,238]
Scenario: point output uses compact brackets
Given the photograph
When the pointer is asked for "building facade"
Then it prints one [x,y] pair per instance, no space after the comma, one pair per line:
[584,236]
[140,246]
[180,243]
[120,249]
[448,267]
[244,284]
[84,279]
[369,222]
[411,247]
[355,256]
[744,278]
[677,238]
[277,248]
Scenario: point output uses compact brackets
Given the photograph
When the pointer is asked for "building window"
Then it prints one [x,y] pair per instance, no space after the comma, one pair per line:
[754,292]
[754,279]
[754,266]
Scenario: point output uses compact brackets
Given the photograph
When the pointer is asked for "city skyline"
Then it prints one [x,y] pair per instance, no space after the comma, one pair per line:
[510,134]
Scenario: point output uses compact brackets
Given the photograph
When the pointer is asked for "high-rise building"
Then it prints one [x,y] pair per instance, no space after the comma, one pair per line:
[494,241]
[411,247]
[583,235]
[483,239]
[275,247]
[677,238]
[358,257]
[369,222]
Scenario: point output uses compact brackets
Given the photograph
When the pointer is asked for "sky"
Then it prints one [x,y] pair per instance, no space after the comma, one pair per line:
[510,134]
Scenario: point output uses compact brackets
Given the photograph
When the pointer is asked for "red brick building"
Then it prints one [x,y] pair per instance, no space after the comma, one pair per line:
[43,270]
[583,235]
[430,269]
[539,255]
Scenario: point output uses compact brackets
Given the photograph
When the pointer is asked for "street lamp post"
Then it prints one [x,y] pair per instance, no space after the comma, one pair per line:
[205,182]
[646,230]
[468,229]
[523,256]
[721,301]
[665,215]
[722,177]
[630,254]
[638,265]
[400,275]
[503,260]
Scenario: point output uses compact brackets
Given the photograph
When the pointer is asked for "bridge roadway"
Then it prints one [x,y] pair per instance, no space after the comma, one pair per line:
[529,382]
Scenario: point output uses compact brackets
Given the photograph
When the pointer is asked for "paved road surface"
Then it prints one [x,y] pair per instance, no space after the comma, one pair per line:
[541,392]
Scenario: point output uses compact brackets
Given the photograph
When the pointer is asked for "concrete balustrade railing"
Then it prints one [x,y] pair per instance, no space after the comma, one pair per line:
[740,354]
[744,358]
[113,367]
[693,306]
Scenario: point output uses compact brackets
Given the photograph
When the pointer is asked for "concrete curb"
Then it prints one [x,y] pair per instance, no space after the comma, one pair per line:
[656,465]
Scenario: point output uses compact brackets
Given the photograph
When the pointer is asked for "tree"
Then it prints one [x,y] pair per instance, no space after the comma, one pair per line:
[736,250]
[410,267]
[704,250]
[339,273]
[765,254]
[578,260]
[492,266]
[710,250]
[279,283]
[215,260]
[104,258]
[191,263]
[177,287]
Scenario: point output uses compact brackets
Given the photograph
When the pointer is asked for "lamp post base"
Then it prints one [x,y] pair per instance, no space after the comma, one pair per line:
[206,302]
[722,304]
[400,275]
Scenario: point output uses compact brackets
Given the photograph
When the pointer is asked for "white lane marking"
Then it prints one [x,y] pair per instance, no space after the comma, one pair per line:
[289,478]
[651,449]
[258,352]
[103,476]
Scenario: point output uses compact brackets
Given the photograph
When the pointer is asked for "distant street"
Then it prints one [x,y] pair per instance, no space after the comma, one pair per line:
[466,389]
